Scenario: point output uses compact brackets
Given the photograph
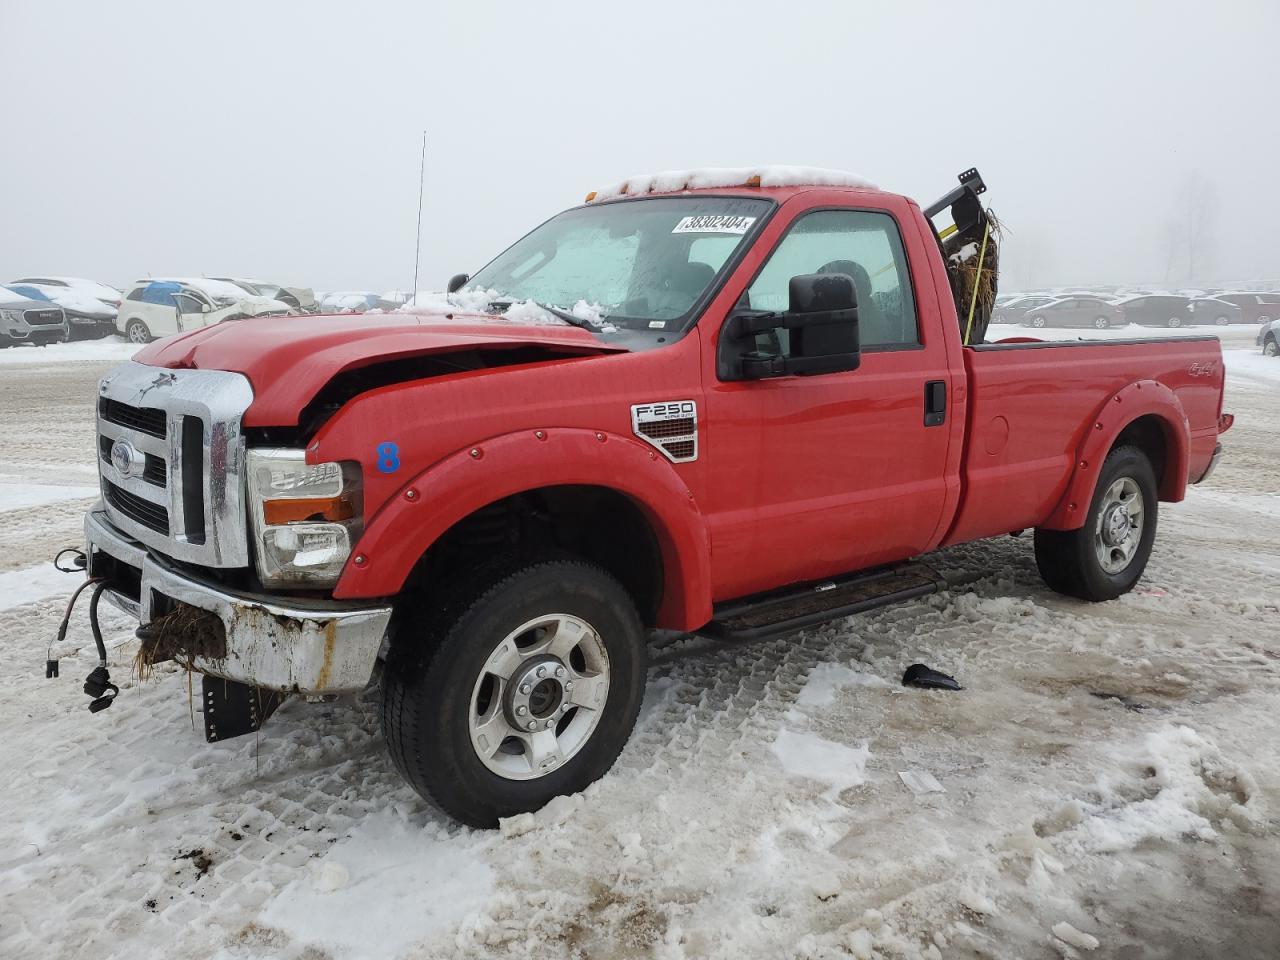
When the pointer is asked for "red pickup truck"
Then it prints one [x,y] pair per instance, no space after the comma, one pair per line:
[733,405]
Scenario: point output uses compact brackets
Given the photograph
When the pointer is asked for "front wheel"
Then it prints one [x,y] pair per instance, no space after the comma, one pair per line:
[525,688]
[1105,558]
[1037,321]
[1271,348]
[1222,321]
[1175,321]
[1101,323]
[137,332]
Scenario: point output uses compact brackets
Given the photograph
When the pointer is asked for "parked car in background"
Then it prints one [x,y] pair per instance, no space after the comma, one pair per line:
[299,298]
[348,301]
[1254,307]
[1155,309]
[165,306]
[89,317]
[1013,310]
[1075,311]
[1269,338]
[108,294]
[24,320]
[1211,310]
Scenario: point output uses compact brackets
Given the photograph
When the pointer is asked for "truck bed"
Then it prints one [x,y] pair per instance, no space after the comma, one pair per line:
[1031,406]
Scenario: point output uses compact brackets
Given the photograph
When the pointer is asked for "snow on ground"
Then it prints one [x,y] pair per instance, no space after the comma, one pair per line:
[1111,772]
[108,349]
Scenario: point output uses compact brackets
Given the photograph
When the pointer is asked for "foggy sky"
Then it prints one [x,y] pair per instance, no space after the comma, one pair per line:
[281,140]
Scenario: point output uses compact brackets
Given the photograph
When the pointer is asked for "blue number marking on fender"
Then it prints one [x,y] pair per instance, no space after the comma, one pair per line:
[388,457]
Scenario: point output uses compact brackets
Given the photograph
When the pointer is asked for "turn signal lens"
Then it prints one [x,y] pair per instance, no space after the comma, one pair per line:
[302,509]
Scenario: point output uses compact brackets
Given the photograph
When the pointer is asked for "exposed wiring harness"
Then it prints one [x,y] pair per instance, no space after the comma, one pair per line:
[98,684]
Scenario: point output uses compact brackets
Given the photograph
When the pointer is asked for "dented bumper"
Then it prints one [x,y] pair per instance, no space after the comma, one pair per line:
[287,644]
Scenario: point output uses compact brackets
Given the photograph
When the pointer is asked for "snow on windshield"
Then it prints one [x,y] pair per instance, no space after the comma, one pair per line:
[434,303]
[771,176]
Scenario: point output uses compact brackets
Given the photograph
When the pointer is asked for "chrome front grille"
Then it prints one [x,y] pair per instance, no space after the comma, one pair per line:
[171,460]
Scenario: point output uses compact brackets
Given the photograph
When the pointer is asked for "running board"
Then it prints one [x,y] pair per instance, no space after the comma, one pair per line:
[795,608]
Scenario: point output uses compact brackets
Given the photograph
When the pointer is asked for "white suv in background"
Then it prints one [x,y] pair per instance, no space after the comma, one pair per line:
[165,306]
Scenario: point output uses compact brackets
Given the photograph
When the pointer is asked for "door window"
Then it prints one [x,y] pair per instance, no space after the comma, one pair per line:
[188,304]
[866,246]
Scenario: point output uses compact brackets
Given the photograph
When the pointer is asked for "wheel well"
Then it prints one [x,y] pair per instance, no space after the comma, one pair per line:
[591,522]
[1149,435]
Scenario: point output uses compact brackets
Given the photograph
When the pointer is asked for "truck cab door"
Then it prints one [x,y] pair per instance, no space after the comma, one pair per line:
[810,476]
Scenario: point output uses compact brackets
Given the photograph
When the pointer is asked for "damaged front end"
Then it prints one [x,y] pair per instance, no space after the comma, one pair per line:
[270,647]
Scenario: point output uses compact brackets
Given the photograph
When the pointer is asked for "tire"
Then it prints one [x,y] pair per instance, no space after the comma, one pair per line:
[1175,321]
[1270,348]
[1037,321]
[439,691]
[136,332]
[1222,321]
[1070,560]
[1101,323]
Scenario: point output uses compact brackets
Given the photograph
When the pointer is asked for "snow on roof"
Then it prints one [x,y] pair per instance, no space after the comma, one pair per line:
[91,287]
[71,298]
[670,181]
[220,289]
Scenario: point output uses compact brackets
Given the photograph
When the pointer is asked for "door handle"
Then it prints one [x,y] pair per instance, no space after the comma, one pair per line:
[935,403]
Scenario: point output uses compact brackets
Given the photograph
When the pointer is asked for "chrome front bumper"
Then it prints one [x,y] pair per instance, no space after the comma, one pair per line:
[297,646]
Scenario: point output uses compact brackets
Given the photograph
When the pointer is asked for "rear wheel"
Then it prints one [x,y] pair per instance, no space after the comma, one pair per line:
[1101,323]
[526,687]
[1037,321]
[137,332]
[1222,321]
[1175,321]
[1105,557]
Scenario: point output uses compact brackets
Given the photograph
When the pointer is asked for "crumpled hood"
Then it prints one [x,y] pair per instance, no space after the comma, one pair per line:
[289,359]
[255,306]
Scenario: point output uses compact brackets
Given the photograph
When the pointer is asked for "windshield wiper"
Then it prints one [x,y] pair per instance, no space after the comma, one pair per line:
[564,315]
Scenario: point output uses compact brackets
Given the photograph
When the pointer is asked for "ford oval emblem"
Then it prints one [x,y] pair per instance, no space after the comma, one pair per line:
[125,458]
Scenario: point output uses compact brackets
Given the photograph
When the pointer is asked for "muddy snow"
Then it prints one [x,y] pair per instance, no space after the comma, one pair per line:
[1109,777]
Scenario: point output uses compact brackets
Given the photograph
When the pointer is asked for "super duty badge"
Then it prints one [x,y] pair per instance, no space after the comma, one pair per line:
[671,426]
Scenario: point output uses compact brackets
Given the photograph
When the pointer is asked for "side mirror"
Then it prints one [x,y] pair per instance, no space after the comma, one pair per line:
[458,281]
[822,317]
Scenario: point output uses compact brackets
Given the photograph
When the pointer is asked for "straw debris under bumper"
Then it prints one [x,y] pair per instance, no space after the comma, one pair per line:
[299,646]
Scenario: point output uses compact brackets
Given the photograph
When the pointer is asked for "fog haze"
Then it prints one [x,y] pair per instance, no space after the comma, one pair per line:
[1122,142]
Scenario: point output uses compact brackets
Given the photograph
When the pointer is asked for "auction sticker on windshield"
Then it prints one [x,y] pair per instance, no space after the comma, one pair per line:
[713,223]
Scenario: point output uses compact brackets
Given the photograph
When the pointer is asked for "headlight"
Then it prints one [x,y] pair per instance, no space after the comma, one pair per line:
[11,315]
[305,517]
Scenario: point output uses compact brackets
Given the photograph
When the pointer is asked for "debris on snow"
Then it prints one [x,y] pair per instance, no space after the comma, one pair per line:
[920,782]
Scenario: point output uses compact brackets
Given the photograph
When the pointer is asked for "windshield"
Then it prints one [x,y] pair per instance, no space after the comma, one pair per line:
[640,264]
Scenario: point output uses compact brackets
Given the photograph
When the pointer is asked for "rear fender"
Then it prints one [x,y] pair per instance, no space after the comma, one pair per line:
[421,511]
[1140,399]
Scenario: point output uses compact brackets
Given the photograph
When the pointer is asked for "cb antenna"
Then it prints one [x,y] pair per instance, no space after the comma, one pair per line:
[417,246]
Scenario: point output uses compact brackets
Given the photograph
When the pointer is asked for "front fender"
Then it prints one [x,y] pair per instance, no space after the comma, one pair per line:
[1140,399]
[421,511]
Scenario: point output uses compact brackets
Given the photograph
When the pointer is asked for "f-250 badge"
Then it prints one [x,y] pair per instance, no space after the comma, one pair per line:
[671,426]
